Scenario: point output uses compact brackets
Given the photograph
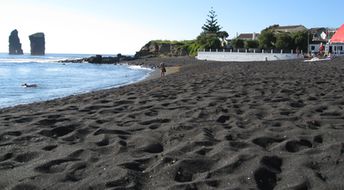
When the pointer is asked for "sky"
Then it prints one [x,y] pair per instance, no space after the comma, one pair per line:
[124,26]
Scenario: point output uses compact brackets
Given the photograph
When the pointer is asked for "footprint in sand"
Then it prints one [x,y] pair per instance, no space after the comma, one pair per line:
[265,176]
[297,145]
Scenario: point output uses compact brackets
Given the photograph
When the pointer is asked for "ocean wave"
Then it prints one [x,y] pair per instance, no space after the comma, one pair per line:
[48,58]
[138,67]
[32,60]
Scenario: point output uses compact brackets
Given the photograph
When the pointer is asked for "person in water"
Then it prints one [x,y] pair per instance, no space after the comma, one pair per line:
[29,85]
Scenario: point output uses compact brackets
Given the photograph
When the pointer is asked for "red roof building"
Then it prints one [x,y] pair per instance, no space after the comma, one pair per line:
[338,37]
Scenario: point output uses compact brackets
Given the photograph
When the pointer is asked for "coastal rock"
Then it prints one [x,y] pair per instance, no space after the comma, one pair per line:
[96,59]
[14,44]
[99,59]
[161,49]
[37,43]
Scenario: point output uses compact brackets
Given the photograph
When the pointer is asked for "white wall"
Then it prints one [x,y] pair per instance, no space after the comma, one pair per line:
[242,57]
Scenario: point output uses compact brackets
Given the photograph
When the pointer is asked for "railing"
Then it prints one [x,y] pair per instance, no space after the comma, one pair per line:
[248,55]
[252,50]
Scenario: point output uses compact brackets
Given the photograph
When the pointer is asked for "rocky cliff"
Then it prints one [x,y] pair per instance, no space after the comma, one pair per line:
[37,43]
[160,49]
[14,44]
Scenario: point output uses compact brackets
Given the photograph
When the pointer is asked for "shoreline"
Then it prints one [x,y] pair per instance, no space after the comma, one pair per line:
[150,63]
[156,73]
[150,76]
[262,125]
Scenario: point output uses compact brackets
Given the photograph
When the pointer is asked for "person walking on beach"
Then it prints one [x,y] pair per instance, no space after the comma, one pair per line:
[163,69]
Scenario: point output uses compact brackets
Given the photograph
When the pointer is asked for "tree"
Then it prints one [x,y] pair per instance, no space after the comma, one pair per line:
[208,41]
[284,41]
[211,25]
[223,35]
[238,43]
[251,44]
[300,40]
[266,39]
[192,47]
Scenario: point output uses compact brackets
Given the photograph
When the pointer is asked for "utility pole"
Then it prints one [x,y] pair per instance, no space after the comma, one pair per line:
[308,42]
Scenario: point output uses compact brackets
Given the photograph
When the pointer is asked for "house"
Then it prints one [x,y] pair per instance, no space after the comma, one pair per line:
[248,36]
[336,44]
[331,38]
[290,28]
[321,34]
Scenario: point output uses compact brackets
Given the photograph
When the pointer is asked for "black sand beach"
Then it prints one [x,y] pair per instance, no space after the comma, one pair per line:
[264,125]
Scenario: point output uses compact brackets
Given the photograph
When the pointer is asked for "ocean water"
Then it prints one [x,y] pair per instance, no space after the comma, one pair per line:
[55,80]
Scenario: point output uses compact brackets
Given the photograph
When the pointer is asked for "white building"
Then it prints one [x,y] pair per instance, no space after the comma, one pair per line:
[335,44]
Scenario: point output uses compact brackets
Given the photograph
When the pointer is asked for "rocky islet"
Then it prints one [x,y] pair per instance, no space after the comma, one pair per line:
[14,44]
[37,43]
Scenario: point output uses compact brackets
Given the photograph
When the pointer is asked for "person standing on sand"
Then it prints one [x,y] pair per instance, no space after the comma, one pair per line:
[163,69]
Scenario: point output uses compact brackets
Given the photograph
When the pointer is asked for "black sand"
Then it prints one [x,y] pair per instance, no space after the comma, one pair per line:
[267,125]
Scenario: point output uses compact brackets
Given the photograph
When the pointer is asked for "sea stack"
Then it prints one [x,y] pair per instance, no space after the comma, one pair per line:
[14,44]
[37,43]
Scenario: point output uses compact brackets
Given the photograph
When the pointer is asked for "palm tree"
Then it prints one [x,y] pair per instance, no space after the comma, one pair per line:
[223,35]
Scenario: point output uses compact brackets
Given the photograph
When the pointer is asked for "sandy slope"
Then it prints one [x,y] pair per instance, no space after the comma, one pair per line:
[261,125]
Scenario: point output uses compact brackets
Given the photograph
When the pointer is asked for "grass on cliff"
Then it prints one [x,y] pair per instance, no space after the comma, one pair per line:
[191,46]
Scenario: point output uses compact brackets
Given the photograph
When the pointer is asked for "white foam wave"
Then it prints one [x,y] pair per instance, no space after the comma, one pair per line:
[34,60]
[138,67]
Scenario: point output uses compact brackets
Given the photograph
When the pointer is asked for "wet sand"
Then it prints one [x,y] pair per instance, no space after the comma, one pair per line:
[264,125]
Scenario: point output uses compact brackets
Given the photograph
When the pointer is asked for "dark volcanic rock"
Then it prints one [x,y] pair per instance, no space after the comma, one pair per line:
[100,59]
[37,42]
[14,44]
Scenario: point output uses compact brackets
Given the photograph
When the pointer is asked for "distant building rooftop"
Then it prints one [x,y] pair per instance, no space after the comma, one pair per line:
[248,36]
[290,28]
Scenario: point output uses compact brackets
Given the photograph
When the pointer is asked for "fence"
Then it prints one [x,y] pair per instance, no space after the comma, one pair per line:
[241,55]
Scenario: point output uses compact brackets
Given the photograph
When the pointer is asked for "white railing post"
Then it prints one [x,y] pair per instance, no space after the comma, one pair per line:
[223,50]
[292,51]
[254,51]
[217,50]
[262,50]
[238,51]
[231,51]
[281,51]
[272,51]
[245,50]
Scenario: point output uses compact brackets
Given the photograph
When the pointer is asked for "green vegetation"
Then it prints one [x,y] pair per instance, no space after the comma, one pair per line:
[211,25]
[210,38]
[271,39]
[208,41]
[300,40]
[238,43]
[190,46]
[266,39]
[173,42]
[284,41]
[251,44]
[213,38]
